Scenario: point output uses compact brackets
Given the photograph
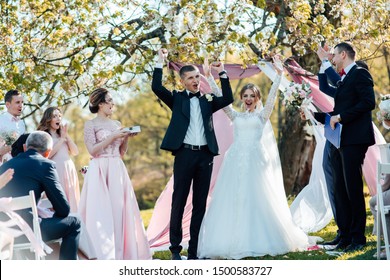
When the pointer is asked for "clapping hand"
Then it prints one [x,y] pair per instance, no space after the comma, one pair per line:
[64,130]
[323,53]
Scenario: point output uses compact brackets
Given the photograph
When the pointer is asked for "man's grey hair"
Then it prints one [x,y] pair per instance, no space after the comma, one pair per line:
[40,141]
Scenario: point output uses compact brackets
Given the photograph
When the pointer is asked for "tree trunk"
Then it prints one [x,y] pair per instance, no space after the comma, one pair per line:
[297,144]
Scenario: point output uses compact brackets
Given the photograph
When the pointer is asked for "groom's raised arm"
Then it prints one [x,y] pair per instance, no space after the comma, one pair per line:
[164,94]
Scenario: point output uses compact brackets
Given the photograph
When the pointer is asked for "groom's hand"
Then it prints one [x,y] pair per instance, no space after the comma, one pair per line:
[218,66]
[162,55]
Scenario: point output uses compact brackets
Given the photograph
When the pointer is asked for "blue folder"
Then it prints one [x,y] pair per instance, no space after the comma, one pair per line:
[333,135]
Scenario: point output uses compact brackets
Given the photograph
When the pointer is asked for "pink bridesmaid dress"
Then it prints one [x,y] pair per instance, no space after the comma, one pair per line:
[108,205]
[67,174]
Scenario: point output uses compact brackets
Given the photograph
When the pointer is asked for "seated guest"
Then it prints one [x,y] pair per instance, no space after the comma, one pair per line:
[33,171]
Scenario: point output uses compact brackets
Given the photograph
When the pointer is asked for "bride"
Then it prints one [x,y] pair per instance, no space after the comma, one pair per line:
[248,214]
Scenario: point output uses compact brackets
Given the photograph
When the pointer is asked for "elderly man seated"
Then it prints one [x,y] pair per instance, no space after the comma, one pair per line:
[34,171]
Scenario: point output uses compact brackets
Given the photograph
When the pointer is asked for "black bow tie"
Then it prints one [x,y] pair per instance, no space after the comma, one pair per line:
[197,94]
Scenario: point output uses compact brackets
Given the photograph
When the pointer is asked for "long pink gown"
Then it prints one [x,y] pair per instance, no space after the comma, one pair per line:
[108,205]
[67,174]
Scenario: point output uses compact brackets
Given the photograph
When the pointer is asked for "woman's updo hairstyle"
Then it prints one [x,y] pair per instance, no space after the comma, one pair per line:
[96,97]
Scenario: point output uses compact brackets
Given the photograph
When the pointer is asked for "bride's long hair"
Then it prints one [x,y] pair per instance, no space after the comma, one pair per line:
[256,91]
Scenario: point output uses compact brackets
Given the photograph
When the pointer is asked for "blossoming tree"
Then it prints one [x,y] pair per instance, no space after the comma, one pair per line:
[56,51]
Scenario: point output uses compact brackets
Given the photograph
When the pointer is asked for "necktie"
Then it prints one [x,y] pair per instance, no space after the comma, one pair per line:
[342,73]
[15,119]
[197,94]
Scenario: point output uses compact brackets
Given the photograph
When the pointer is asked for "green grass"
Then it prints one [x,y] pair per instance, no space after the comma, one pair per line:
[327,233]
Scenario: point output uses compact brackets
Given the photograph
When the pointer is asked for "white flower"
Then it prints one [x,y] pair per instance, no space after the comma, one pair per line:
[9,137]
[209,97]
[384,110]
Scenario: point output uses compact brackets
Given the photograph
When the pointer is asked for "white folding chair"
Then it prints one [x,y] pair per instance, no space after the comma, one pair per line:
[382,170]
[26,202]
[44,204]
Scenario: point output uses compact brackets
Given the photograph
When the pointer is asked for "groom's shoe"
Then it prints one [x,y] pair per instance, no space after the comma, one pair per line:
[353,247]
[341,246]
[176,256]
[333,242]
[192,257]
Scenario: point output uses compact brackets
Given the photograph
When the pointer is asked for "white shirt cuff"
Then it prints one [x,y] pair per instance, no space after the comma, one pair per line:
[325,65]
[159,65]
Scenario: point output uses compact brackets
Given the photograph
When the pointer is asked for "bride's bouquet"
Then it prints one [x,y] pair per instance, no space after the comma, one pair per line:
[295,95]
[9,137]
[384,109]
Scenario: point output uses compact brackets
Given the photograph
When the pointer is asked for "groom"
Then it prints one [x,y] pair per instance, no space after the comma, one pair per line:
[191,139]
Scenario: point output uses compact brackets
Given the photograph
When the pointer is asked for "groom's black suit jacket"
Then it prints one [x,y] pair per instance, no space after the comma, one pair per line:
[354,99]
[179,103]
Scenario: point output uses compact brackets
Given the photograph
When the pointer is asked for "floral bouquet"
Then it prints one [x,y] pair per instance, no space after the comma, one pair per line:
[295,94]
[9,137]
[384,109]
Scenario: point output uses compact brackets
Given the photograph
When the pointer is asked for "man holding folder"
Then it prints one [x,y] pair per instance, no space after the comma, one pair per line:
[354,100]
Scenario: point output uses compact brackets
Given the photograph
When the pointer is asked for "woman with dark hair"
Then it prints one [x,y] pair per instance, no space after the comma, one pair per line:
[108,205]
[63,148]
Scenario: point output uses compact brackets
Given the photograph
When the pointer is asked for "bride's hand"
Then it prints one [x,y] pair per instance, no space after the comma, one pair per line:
[277,63]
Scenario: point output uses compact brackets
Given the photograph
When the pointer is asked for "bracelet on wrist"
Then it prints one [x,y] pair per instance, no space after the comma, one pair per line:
[222,72]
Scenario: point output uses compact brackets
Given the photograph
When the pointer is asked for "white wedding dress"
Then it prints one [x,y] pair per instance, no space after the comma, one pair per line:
[248,214]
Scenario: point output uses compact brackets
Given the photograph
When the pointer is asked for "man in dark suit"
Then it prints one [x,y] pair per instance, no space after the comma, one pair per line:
[190,137]
[33,171]
[354,100]
[333,77]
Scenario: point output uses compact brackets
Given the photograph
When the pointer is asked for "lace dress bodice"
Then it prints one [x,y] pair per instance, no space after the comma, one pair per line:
[96,131]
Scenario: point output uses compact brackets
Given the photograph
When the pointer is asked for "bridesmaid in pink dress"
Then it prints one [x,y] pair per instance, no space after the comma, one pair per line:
[108,205]
[63,148]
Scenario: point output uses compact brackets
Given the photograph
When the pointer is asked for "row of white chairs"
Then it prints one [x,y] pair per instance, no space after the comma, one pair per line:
[27,202]
[383,170]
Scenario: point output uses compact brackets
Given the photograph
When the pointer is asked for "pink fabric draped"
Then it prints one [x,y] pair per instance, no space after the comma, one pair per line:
[158,230]
[325,104]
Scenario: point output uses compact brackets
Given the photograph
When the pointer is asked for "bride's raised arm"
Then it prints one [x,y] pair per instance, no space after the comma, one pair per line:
[272,95]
